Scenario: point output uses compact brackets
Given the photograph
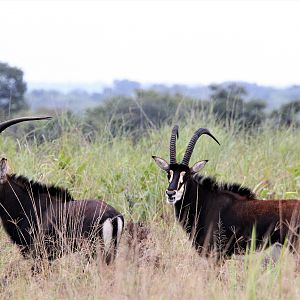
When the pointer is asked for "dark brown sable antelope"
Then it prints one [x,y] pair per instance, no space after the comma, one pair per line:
[222,218]
[46,222]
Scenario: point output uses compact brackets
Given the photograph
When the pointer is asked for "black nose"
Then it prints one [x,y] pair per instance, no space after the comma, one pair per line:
[170,193]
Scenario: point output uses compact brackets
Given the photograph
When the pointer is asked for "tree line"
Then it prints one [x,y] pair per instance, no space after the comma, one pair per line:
[135,113]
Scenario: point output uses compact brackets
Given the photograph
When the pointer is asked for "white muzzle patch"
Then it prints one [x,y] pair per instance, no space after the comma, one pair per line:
[179,193]
[177,196]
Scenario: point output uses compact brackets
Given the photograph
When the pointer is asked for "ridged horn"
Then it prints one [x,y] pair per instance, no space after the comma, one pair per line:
[192,143]
[9,123]
[174,134]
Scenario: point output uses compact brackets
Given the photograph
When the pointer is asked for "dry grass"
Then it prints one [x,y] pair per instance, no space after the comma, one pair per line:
[167,268]
[159,263]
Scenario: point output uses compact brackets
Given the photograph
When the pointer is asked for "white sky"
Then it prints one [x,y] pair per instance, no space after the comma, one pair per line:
[153,41]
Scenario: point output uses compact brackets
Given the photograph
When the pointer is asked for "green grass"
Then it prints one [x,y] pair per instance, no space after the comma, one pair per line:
[121,171]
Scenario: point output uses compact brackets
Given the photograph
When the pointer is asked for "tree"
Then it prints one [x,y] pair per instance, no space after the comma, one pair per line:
[230,104]
[12,89]
[228,101]
[287,114]
[145,109]
[254,113]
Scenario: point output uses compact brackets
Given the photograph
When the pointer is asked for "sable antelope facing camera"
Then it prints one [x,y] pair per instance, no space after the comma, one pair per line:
[220,218]
[46,222]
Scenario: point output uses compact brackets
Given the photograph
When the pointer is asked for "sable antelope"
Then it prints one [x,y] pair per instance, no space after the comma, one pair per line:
[220,218]
[45,221]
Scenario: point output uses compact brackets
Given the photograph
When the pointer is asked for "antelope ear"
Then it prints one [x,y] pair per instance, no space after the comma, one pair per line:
[198,166]
[161,163]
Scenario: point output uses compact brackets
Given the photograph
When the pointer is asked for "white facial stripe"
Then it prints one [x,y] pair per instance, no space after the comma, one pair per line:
[180,179]
[171,176]
[179,194]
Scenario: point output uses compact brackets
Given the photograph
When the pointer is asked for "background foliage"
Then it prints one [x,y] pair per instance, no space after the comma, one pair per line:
[120,170]
[106,153]
[12,90]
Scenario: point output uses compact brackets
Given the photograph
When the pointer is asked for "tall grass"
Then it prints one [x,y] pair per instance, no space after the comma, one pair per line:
[120,170]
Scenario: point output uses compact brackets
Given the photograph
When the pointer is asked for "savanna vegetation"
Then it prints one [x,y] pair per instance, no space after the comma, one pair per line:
[132,109]
[155,261]
[106,153]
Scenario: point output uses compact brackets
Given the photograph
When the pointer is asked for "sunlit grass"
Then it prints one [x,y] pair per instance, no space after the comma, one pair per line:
[120,170]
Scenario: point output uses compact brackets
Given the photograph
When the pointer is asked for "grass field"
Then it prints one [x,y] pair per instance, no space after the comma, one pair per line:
[164,266]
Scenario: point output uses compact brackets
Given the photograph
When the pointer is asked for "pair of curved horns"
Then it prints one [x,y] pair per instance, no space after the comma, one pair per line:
[190,147]
[9,123]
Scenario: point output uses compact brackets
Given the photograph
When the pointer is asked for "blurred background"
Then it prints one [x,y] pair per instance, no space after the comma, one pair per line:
[134,65]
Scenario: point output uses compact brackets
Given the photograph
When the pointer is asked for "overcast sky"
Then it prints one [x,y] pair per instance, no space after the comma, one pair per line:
[153,41]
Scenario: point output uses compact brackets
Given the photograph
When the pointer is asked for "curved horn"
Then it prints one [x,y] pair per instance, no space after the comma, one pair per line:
[8,123]
[192,143]
[174,134]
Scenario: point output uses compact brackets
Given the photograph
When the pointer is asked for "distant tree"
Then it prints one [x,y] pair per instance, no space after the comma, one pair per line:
[228,101]
[287,114]
[145,109]
[125,87]
[12,89]
[152,109]
[254,113]
[230,104]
